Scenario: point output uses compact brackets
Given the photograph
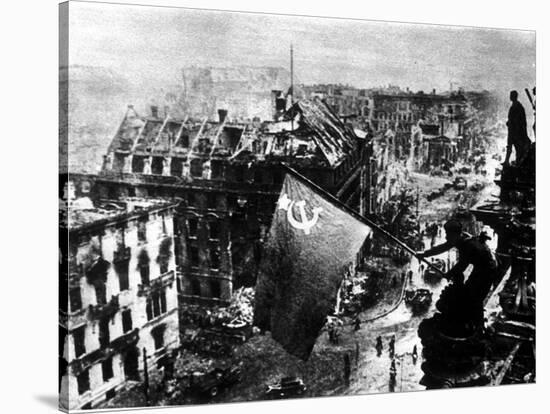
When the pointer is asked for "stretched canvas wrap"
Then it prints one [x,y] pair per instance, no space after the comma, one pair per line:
[256,207]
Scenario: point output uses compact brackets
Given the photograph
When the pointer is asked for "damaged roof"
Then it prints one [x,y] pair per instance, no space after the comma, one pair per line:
[309,130]
[84,215]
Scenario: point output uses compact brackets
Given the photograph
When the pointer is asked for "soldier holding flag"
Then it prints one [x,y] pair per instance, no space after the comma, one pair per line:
[472,251]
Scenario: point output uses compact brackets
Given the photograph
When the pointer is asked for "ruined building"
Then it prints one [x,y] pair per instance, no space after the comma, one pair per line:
[423,124]
[121,302]
[227,177]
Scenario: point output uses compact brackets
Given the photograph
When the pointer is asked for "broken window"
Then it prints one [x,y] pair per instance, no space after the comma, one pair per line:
[176,167]
[194,255]
[195,287]
[119,161]
[149,310]
[215,288]
[158,336]
[193,225]
[215,169]
[214,258]
[122,270]
[79,341]
[104,337]
[143,266]
[142,229]
[163,301]
[137,164]
[126,320]
[107,368]
[214,230]
[211,200]
[120,239]
[144,273]
[193,200]
[157,165]
[75,298]
[83,380]
[184,141]
[196,168]
[100,293]
[165,254]
[156,304]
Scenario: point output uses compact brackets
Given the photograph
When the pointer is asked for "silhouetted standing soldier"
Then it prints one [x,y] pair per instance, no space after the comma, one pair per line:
[347,369]
[393,375]
[415,355]
[392,346]
[379,346]
[517,130]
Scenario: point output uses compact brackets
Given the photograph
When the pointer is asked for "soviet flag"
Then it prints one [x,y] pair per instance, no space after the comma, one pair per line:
[311,243]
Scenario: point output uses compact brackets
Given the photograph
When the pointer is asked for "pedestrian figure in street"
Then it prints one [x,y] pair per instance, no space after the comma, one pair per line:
[379,346]
[392,346]
[410,276]
[393,375]
[414,355]
[394,281]
[347,368]
[517,131]
[357,323]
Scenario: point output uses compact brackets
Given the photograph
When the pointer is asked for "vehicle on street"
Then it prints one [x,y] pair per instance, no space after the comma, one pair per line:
[419,300]
[211,382]
[460,183]
[286,387]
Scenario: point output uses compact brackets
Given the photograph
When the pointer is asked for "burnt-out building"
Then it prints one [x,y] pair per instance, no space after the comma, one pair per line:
[405,113]
[227,177]
[118,295]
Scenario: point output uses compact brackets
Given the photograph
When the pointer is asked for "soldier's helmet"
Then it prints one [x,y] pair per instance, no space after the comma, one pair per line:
[453,226]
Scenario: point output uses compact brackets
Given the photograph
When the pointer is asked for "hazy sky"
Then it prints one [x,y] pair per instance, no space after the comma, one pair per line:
[145,41]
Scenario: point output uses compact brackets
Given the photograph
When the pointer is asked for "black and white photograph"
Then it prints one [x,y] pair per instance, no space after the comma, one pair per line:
[256,206]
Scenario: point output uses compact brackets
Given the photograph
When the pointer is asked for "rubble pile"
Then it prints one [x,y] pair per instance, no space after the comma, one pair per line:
[241,308]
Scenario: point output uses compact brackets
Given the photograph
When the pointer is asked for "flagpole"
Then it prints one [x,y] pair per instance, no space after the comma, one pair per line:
[359,217]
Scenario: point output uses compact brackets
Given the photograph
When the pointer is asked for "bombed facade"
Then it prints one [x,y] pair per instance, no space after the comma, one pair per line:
[227,177]
[119,316]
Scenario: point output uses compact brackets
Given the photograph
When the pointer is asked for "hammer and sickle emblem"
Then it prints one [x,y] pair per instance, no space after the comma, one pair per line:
[303,224]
